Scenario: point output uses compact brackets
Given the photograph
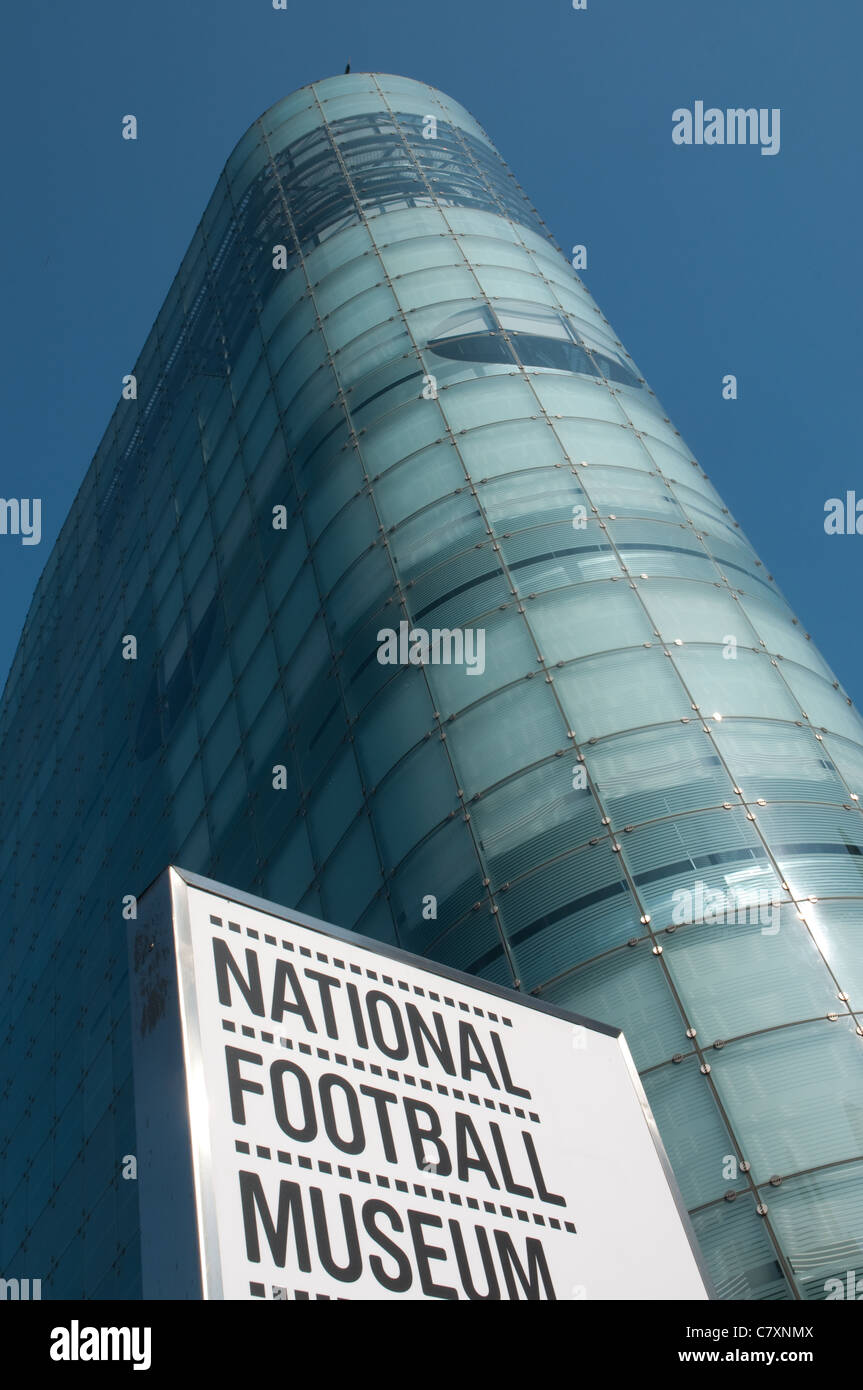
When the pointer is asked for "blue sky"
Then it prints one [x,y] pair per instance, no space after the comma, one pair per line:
[706,260]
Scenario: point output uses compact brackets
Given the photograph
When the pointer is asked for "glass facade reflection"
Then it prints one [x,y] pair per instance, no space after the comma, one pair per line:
[427,402]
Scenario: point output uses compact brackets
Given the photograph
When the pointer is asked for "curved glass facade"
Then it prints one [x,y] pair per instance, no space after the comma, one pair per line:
[642,804]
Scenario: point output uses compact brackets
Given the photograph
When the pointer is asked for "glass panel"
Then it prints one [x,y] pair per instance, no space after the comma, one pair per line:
[487,401]
[607,694]
[777,762]
[403,819]
[336,802]
[496,449]
[815,1217]
[696,613]
[534,817]
[696,1140]
[825,707]
[395,721]
[477,660]
[569,625]
[334,291]
[540,495]
[739,1252]
[738,976]
[772,1088]
[743,685]
[573,908]
[578,396]
[444,528]
[424,478]
[520,725]
[351,876]
[657,772]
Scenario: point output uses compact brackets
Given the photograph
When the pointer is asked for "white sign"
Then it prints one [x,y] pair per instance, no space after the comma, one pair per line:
[367,1125]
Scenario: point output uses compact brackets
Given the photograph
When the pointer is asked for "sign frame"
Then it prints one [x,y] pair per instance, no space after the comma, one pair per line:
[179,1226]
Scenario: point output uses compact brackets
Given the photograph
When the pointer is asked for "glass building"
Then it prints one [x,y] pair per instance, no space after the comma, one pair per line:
[378,394]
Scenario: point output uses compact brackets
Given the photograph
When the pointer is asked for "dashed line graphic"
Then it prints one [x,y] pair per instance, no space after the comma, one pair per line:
[437,1194]
[370,974]
[282,1294]
[358,1064]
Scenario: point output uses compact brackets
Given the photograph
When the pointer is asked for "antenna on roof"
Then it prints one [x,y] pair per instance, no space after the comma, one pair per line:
[348,66]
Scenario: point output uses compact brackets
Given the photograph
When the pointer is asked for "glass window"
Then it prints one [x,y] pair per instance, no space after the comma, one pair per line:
[534,817]
[696,613]
[342,285]
[444,528]
[800,1126]
[496,650]
[425,477]
[494,449]
[824,706]
[571,395]
[487,401]
[402,818]
[351,876]
[657,772]
[510,731]
[627,990]
[745,684]
[595,619]
[395,721]
[621,690]
[573,908]
[742,976]
[335,803]
[419,877]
